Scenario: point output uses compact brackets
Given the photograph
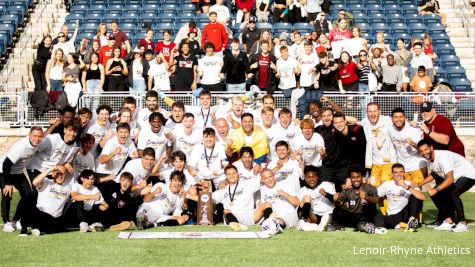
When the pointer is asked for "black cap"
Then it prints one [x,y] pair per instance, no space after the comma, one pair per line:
[252,19]
[426,106]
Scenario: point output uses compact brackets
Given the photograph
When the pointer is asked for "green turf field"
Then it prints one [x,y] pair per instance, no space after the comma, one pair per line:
[292,248]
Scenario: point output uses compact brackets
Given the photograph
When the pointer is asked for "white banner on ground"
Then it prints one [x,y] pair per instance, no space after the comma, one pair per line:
[188,235]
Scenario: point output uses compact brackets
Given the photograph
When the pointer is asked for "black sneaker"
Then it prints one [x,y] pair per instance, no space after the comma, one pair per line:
[367,227]
[23,232]
[412,225]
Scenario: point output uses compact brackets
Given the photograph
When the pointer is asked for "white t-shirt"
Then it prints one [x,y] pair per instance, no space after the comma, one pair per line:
[135,167]
[309,148]
[115,164]
[21,153]
[185,142]
[166,202]
[287,75]
[209,162]
[245,173]
[82,162]
[221,11]
[202,116]
[407,155]
[170,124]
[290,132]
[51,151]
[157,141]
[161,77]
[274,135]
[144,114]
[78,188]
[321,205]
[446,161]
[295,50]
[242,204]
[288,175]
[380,140]
[397,196]
[165,176]
[98,132]
[280,205]
[52,197]
[209,67]
[307,63]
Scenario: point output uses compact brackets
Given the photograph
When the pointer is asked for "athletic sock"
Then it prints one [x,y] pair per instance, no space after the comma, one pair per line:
[170,223]
[306,210]
[267,212]
[230,218]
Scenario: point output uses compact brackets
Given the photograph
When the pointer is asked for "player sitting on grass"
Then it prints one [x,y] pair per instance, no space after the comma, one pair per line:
[162,206]
[276,204]
[402,201]
[316,201]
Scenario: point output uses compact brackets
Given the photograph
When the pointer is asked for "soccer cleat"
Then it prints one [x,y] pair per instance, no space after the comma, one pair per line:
[445,226]
[36,232]
[380,231]
[335,228]
[237,226]
[460,228]
[412,225]
[369,228]
[83,227]
[9,227]
[23,232]
[141,220]
[121,226]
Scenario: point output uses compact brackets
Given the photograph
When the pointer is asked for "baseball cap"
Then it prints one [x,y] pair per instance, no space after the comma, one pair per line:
[426,106]
[252,19]
[192,30]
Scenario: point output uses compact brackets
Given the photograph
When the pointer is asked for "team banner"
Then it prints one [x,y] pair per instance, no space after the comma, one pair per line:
[192,235]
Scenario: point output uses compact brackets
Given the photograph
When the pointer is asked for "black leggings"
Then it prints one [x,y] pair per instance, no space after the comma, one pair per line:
[277,13]
[448,200]
[20,182]
[390,221]
[116,83]
[39,78]
[37,219]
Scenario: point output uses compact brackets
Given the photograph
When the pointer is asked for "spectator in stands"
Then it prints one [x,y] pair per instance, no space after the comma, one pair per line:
[428,49]
[121,39]
[356,32]
[215,33]
[83,49]
[101,34]
[193,44]
[94,49]
[263,69]
[281,11]
[185,66]
[222,12]
[71,74]
[421,83]
[262,10]
[57,124]
[295,11]
[432,7]
[265,37]
[347,74]
[54,71]
[287,68]
[185,29]
[116,69]
[324,44]
[296,49]
[381,45]
[158,75]
[147,42]
[93,76]
[312,8]
[244,8]
[378,60]
[326,78]
[402,59]
[43,54]
[250,35]
[280,42]
[392,75]
[105,53]
[138,71]
[65,30]
[236,68]
[321,24]
[418,58]
[166,47]
[341,32]
[343,15]
[209,68]
[66,46]
[202,6]
[365,67]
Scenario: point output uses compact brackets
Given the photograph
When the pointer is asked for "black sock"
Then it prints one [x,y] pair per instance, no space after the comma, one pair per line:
[170,223]
[230,218]
[267,212]
[306,210]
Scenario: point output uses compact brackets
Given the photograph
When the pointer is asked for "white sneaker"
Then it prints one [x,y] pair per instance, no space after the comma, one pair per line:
[18,225]
[8,227]
[83,227]
[460,228]
[323,223]
[445,226]
[35,232]
[306,226]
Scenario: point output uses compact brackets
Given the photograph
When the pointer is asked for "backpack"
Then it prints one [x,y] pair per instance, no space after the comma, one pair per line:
[39,102]
[61,102]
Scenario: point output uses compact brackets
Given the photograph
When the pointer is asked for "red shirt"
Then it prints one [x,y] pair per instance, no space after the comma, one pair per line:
[428,50]
[443,125]
[320,48]
[348,74]
[166,49]
[245,4]
[105,53]
[337,35]
[120,38]
[216,34]
[264,62]
[147,45]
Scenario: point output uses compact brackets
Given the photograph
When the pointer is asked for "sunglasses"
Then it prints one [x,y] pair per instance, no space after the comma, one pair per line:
[61,36]
[363,55]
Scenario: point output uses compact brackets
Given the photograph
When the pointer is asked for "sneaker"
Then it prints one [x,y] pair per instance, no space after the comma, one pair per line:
[23,232]
[141,220]
[9,227]
[412,225]
[237,226]
[433,224]
[96,227]
[380,231]
[460,228]
[445,226]
[369,228]
[132,225]
[323,223]
[18,225]
[306,226]
[83,227]
[36,232]
[121,226]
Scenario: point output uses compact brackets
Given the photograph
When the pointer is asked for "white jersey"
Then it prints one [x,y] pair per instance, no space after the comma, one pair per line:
[286,69]
[274,135]
[166,173]
[170,124]
[52,197]
[82,162]
[288,175]
[307,63]
[51,152]
[202,115]
[135,167]
[245,173]
[446,161]
[88,204]
[161,77]
[209,68]
[208,162]
[239,199]
[114,165]
[144,114]
[380,146]
[280,205]
[99,132]
[310,148]
[397,196]
[165,203]
[20,154]
[157,141]
[407,155]
[290,132]
[185,142]
[321,205]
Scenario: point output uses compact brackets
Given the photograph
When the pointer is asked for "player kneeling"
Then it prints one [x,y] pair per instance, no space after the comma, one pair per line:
[162,206]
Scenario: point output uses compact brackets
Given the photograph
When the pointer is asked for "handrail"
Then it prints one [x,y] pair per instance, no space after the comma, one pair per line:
[464,12]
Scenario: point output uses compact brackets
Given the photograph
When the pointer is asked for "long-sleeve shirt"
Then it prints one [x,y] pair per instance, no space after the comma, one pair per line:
[392,75]
[216,34]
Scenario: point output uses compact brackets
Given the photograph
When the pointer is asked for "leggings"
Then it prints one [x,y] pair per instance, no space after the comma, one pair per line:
[116,83]
[20,182]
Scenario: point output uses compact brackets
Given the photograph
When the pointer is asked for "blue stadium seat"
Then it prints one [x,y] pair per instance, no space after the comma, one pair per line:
[9,18]
[6,37]
[461,85]
[444,49]
[409,8]
[398,28]
[379,27]
[150,8]
[149,18]
[436,28]
[74,16]
[413,18]
[164,26]
[116,8]
[404,35]
[365,27]
[88,27]
[394,18]
[440,71]
[440,38]
[374,9]
[166,18]
[455,72]
[282,27]
[359,18]
[130,17]
[303,27]
[335,8]
[376,18]
[187,8]
[355,8]
[417,28]
[184,18]
[110,17]
[264,26]
[92,18]
[431,18]
[76,8]
[97,9]
[88,35]
[202,18]
[392,9]
[158,35]
[169,8]
[449,60]
[133,8]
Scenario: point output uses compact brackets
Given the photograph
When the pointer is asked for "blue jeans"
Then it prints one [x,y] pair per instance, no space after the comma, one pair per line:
[311,95]
[92,86]
[236,87]
[56,85]
[287,92]
[138,86]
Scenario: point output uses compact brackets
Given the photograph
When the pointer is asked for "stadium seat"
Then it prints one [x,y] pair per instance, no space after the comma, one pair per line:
[187,8]
[164,26]
[356,8]
[413,18]
[392,9]
[9,18]
[379,27]
[128,27]
[110,17]
[440,71]
[303,27]
[394,18]
[130,17]
[431,19]
[92,18]
[376,18]
[449,60]
[264,26]
[97,9]
[76,8]
[461,85]
[440,38]
[365,27]
[374,9]
[282,27]
[417,28]
[359,18]
[115,8]
[88,27]
[166,18]
[398,28]
[132,9]
[150,8]
[435,28]
[455,72]
[168,8]
[185,18]
[444,49]
[74,16]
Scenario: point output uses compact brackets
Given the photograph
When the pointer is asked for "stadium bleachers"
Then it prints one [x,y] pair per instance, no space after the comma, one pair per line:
[398,19]
[12,16]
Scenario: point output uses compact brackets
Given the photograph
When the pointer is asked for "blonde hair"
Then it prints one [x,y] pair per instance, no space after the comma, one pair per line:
[98,34]
[56,60]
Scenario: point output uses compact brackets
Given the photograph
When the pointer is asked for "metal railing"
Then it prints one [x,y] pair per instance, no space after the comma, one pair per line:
[15,110]
[464,12]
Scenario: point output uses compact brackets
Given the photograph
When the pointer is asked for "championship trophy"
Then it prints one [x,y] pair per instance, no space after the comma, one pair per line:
[205,208]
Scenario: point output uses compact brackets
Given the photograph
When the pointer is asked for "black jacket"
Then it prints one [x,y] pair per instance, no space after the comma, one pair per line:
[235,68]
[271,79]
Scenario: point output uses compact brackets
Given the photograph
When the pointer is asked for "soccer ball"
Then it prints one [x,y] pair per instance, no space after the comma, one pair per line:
[271,227]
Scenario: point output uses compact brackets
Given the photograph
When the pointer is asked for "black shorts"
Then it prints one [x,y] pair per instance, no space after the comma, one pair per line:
[336,175]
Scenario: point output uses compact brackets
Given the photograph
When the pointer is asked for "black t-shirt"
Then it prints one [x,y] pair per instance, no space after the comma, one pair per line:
[333,147]
[184,70]
[249,37]
[353,199]
[194,46]
[235,67]
[430,5]
[354,145]
[43,53]
[327,76]
[116,199]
